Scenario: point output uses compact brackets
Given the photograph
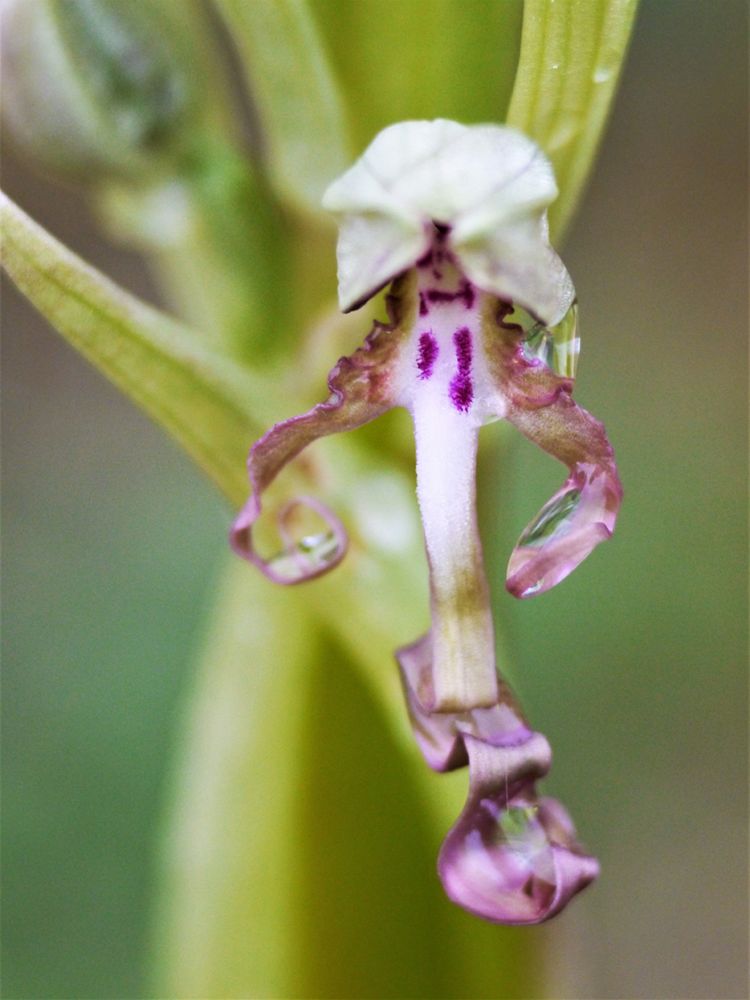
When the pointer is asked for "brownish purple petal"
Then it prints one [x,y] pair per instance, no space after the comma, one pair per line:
[360,391]
[584,510]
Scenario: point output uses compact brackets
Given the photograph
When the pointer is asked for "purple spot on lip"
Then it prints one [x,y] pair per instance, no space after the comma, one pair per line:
[462,388]
[462,392]
[462,343]
[423,307]
[426,259]
[428,352]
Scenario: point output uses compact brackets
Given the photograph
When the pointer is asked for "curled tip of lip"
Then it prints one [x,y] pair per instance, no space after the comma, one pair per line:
[511,858]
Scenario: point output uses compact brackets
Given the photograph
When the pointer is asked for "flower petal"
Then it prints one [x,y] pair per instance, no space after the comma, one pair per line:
[512,858]
[516,262]
[463,638]
[361,390]
[372,250]
[584,510]
[488,184]
[440,734]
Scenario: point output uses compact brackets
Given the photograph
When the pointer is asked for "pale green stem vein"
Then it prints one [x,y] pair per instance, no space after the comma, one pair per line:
[572,52]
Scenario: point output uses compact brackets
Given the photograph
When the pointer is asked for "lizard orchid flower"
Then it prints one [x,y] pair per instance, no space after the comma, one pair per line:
[483,326]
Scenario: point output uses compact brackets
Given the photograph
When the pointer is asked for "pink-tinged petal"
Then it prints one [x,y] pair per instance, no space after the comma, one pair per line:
[361,389]
[584,510]
[512,858]
[304,555]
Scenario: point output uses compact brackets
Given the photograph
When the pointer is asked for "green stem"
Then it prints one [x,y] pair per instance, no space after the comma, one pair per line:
[219,246]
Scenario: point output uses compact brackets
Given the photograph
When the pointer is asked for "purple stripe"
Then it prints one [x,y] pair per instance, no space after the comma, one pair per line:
[462,343]
[428,352]
[461,387]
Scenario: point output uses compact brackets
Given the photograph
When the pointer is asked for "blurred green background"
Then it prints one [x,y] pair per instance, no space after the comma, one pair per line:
[635,668]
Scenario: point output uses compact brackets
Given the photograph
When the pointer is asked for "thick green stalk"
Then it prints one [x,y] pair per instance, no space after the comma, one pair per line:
[229,870]
[299,861]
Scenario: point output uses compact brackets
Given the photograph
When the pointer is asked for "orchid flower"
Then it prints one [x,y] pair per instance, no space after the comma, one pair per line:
[482,327]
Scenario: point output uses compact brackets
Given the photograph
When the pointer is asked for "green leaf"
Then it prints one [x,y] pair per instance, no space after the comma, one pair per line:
[572,52]
[207,403]
[296,93]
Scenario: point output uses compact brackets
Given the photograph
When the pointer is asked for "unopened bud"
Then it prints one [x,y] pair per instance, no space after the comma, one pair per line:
[104,88]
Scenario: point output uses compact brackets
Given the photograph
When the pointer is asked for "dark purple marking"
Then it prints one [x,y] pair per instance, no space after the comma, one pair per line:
[461,387]
[465,292]
[426,260]
[438,295]
[462,343]
[423,307]
[428,352]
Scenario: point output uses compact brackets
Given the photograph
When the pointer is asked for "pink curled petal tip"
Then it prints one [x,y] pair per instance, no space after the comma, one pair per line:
[567,529]
[359,391]
[511,858]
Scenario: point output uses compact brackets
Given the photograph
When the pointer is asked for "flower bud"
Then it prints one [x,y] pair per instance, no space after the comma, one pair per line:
[104,88]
